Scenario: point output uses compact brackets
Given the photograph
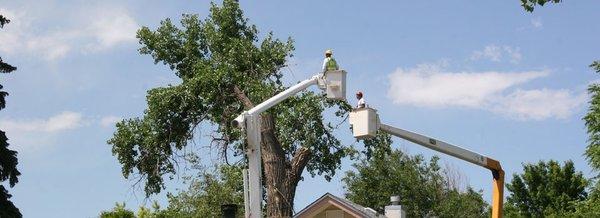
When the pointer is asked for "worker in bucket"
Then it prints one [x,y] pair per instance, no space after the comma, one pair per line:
[329,63]
[361,101]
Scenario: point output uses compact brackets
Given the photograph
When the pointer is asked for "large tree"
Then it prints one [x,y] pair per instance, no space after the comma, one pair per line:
[8,158]
[226,68]
[423,189]
[545,189]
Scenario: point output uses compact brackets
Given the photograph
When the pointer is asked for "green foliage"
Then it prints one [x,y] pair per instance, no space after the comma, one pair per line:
[8,157]
[546,188]
[529,5]
[378,146]
[156,212]
[300,124]
[223,67]
[3,20]
[7,208]
[203,198]
[592,122]
[457,204]
[119,211]
[4,67]
[596,66]
[421,185]
[206,194]
[591,207]
[587,208]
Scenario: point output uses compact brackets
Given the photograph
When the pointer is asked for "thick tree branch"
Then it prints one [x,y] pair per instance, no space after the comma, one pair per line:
[242,97]
[298,162]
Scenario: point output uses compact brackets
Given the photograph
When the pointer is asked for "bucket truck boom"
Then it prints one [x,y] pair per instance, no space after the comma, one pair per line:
[365,123]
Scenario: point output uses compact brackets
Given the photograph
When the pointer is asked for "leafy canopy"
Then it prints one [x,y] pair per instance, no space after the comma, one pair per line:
[592,122]
[203,197]
[119,211]
[206,194]
[546,188]
[224,69]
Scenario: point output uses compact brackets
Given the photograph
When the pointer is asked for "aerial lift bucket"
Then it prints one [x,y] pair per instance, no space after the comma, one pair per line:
[336,84]
[365,122]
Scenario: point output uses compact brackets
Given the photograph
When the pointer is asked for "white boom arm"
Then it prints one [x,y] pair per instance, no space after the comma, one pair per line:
[269,103]
[365,123]
[437,145]
[332,81]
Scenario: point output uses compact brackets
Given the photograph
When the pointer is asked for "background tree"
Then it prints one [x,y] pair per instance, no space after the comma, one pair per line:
[8,158]
[421,185]
[591,207]
[462,204]
[225,69]
[546,188]
[119,211]
[155,212]
[207,193]
[203,197]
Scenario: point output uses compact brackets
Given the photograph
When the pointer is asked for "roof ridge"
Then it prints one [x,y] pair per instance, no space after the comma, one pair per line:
[349,204]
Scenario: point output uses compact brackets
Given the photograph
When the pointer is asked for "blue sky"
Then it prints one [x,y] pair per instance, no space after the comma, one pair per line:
[487,76]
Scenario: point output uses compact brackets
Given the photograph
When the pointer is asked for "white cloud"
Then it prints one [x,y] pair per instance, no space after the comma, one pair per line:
[540,104]
[429,85]
[31,135]
[109,120]
[514,54]
[537,23]
[64,121]
[498,54]
[10,40]
[112,27]
[92,29]
[490,52]
[50,47]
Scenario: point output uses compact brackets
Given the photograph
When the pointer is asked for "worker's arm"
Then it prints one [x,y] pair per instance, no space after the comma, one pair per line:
[324,68]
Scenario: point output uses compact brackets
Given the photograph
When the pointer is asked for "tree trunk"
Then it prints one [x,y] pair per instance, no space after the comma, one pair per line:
[281,175]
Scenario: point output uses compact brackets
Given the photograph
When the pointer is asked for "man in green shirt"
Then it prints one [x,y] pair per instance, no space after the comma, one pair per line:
[329,63]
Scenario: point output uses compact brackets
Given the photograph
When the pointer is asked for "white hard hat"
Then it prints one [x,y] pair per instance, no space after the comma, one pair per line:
[328,51]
